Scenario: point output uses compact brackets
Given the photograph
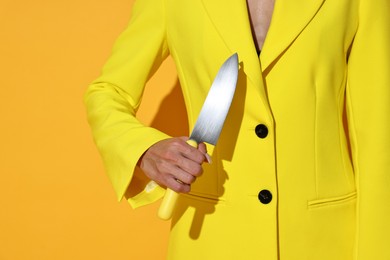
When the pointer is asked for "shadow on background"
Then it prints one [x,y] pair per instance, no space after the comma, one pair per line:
[171,117]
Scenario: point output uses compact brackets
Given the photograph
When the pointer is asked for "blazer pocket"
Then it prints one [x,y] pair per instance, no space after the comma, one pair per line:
[202,198]
[333,201]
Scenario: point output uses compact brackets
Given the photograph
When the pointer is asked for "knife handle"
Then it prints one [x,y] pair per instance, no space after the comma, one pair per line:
[170,198]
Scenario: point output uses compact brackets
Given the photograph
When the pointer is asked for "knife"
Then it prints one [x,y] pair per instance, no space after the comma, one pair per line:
[210,121]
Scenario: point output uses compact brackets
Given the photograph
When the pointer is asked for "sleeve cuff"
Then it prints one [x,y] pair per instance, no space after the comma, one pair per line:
[151,193]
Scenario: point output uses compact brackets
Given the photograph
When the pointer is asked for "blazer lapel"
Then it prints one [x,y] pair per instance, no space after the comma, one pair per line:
[230,19]
[289,19]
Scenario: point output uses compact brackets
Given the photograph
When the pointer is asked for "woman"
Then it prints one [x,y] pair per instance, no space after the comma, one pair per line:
[301,169]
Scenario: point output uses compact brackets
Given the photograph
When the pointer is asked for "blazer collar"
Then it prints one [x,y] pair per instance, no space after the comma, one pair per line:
[289,19]
[231,20]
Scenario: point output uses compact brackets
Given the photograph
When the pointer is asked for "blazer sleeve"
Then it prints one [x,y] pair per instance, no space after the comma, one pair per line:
[368,102]
[113,99]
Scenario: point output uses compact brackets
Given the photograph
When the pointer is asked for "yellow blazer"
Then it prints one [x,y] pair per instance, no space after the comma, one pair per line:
[309,126]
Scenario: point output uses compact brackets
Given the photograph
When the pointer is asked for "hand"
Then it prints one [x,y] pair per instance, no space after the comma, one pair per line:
[174,163]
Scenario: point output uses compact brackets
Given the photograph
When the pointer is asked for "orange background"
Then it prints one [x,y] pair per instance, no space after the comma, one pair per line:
[55,199]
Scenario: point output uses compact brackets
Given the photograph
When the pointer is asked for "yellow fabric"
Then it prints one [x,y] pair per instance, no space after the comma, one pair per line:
[322,88]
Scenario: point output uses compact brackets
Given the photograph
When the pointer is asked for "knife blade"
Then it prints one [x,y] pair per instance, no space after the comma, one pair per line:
[210,121]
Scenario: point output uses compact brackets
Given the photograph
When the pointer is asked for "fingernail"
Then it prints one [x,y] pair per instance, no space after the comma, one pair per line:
[208,158]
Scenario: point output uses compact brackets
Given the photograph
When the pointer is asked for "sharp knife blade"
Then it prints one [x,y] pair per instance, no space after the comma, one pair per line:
[210,121]
[216,106]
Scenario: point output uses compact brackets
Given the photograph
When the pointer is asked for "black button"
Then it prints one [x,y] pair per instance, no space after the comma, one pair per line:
[265,196]
[261,131]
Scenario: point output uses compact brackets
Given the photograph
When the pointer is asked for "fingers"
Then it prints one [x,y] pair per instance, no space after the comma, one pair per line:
[177,186]
[174,163]
[203,149]
[174,177]
[196,154]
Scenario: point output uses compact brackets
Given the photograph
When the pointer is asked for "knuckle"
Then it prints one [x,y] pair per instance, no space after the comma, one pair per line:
[190,179]
[198,157]
[177,143]
[163,167]
[179,187]
[185,188]
[202,147]
[201,158]
[169,154]
[200,172]
[175,186]
[197,170]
